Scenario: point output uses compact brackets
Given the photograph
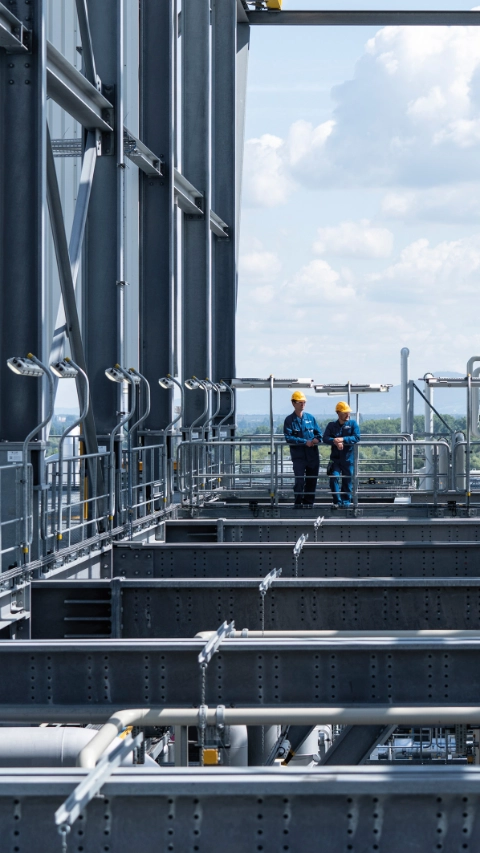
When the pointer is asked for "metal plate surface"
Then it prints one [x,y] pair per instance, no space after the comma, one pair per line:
[332,671]
[331,809]
[331,530]
[354,560]
[180,608]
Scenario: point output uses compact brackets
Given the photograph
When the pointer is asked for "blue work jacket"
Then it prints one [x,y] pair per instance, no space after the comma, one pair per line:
[350,432]
[298,431]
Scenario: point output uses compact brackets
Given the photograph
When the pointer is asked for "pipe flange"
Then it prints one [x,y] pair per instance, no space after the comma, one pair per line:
[220,717]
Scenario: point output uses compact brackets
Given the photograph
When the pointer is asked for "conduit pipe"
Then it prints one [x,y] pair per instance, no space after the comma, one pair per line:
[361,715]
[245,633]
[475,395]
[404,353]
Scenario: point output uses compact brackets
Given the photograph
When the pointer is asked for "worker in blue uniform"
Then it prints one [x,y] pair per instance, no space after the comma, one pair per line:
[342,436]
[303,436]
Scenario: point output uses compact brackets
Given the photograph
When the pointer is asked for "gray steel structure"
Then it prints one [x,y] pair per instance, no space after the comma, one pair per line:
[192,61]
[351,670]
[368,808]
[152,609]
[195,66]
[265,531]
[328,560]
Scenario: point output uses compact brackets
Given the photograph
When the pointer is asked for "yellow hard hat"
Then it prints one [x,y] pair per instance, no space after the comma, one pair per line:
[342,407]
[298,396]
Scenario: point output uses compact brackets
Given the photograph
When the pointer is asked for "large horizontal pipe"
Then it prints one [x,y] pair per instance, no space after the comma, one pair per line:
[262,716]
[325,635]
[366,18]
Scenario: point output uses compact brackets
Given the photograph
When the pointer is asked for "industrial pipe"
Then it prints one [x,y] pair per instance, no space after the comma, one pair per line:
[245,633]
[366,715]
[475,396]
[47,746]
[404,353]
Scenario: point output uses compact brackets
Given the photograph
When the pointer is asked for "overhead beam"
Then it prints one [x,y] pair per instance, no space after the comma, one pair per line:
[364,18]
[73,92]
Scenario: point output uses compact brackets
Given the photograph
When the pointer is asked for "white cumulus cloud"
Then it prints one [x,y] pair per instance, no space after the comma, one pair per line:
[266,179]
[259,265]
[354,240]
[456,203]
[410,116]
[433,274]
[318,282]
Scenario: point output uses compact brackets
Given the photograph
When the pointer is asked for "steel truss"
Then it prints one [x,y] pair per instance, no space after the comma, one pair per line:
[203,60]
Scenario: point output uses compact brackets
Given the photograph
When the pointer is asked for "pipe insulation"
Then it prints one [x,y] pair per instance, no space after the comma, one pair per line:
[365,715]
[47,746]
[475,396]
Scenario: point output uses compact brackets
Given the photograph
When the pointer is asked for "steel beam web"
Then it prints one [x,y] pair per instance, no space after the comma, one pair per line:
[157,58]
[196,163]
[224,153]
[22,223]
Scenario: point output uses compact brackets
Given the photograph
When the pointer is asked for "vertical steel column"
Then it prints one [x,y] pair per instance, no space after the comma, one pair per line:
[103,239]
[196,159]
[157,57]
[224,278]
[243,47]
[22,221]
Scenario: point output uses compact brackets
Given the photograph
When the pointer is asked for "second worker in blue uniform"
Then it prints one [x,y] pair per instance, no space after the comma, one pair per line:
[342,436]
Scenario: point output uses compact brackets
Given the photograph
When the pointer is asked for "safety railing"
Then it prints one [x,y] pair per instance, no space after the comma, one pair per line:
[12,514]
[74,500]
[245,468]
[74,503]
[142,483]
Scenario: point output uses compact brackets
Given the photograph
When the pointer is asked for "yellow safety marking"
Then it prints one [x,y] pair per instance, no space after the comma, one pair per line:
[125,732]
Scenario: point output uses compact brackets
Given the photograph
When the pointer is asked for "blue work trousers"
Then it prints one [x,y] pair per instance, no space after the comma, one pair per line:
[342,469]
[305,467]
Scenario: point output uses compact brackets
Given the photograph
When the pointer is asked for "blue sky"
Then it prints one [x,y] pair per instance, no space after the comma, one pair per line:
[361,204]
